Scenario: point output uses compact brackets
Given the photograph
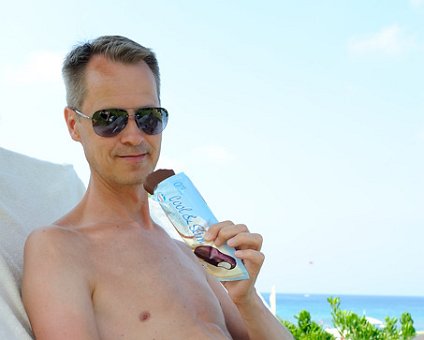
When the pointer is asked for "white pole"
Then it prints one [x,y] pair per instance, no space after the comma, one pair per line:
[273,301]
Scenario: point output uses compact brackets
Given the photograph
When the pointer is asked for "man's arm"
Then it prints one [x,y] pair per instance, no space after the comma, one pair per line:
[258,320]
[55,287]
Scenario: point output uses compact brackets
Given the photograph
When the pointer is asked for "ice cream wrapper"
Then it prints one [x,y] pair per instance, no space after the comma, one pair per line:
[191,217]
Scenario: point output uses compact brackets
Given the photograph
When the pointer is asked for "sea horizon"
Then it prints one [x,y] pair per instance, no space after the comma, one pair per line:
[376,306]
[346,294]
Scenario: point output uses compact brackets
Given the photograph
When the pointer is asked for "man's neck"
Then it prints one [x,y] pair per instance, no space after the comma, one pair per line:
[116,203]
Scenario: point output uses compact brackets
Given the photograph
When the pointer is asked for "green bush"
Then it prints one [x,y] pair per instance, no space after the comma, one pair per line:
[351,326]
[306,328]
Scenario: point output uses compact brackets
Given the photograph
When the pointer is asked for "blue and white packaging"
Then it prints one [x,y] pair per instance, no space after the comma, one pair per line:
[191,217]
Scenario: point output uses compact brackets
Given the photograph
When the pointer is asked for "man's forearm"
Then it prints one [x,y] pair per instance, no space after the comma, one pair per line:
[260,322]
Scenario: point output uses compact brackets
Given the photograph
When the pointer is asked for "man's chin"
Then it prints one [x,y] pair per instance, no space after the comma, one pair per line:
[130,181]
[136,180]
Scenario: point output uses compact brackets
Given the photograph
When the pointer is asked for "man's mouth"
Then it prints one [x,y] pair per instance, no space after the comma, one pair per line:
[134,157]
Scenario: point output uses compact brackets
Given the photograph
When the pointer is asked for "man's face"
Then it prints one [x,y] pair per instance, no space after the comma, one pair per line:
[130,156]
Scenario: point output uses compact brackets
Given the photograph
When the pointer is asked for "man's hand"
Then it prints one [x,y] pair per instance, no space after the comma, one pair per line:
[248,246]
[259,321]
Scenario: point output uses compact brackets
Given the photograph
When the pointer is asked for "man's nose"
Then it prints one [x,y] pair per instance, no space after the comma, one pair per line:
[131,134]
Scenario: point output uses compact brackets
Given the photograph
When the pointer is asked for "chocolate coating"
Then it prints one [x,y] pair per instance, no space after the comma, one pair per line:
[215,257]
[155,178]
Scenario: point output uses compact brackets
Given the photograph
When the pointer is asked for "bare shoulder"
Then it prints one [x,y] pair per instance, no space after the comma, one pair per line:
[54,246]
[52,240]
[57,284]
[49,234]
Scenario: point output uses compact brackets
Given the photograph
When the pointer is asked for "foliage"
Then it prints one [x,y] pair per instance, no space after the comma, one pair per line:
[306,328]
[351,326]
[407,326]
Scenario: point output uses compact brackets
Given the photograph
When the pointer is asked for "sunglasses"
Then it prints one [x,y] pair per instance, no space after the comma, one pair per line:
[110,122]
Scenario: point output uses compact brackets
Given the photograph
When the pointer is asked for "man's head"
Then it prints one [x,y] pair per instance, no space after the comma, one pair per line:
[115,48]
[113,108]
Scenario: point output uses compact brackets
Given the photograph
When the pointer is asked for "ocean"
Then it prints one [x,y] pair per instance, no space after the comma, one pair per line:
[289,305]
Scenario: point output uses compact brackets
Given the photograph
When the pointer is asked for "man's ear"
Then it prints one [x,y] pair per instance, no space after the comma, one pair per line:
[70,118]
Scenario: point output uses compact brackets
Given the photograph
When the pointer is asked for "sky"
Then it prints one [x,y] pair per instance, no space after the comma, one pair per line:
[303,120]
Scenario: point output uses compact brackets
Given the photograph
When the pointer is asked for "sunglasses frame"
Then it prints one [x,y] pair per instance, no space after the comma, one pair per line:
[163,111]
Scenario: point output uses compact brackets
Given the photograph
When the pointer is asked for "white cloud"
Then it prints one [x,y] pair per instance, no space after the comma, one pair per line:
[216,154]
[39,67]
[388,41]
[420,135]
[416,3]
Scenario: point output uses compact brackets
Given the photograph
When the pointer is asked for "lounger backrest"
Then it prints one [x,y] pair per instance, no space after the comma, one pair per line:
[33,193]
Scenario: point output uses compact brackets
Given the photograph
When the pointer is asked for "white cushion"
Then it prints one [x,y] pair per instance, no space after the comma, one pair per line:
[33,193]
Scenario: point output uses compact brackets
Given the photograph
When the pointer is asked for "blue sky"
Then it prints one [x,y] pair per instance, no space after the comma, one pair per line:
[302,119]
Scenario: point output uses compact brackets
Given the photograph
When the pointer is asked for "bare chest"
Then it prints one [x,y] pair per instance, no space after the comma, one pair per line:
[145,281]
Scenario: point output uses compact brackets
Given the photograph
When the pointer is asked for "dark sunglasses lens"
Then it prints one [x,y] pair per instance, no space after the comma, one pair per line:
[108,123]
[152,120]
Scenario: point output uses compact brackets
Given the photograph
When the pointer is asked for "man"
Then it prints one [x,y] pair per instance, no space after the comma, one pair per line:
[106,270]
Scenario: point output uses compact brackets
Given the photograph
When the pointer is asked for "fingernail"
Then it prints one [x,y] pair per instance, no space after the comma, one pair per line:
[207,236]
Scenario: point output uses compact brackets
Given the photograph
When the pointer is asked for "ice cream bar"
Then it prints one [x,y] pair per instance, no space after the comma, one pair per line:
[155,178]
[215,257]
[191,217]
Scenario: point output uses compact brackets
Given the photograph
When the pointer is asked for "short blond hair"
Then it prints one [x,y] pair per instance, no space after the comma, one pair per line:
[115,48]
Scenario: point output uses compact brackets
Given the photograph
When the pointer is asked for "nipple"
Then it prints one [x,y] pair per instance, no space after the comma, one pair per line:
[144,316]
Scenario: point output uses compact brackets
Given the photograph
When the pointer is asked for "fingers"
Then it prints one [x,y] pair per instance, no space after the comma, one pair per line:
[223,231]
[246,241]
[248,246]
[240,290]
[251,257]
[236,235]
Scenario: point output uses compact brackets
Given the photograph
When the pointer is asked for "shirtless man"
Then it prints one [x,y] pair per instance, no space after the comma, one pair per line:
[106,270]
